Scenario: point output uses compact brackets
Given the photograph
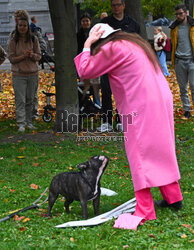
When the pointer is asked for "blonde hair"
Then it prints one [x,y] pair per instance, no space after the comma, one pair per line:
[159,28]
[21,13]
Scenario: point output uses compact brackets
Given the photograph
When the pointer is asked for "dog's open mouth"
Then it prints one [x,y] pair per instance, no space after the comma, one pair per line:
[104,159]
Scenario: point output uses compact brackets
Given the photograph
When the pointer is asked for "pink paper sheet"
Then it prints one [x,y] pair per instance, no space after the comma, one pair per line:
[128,221]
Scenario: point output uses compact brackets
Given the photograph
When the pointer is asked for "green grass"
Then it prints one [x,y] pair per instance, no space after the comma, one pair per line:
[41,160]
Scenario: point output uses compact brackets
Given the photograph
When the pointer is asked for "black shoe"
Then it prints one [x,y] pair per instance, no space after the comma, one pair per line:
[177,205]
[187,114]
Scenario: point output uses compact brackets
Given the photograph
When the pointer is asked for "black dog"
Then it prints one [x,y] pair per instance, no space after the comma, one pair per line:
[81,186]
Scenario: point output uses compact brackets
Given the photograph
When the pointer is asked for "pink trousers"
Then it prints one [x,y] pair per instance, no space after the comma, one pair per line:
[145,204]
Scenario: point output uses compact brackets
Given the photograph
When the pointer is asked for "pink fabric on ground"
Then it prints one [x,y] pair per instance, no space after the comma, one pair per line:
[171,192]
[145,205]
[127,221]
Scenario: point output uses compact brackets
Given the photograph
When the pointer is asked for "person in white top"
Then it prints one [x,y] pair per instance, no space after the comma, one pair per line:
[159,42]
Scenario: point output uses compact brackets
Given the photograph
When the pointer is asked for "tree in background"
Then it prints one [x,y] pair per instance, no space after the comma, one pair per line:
[65,48]
[159,8]
[134,9]
[97,6]
[190,6]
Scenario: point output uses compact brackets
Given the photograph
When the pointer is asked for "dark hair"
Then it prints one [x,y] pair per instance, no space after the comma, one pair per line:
[132,37]
[33,18]
[28,34]
[86,15]
[181,6]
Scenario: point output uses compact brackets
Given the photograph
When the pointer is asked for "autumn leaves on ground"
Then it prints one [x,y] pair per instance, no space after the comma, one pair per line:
[7,103]
[28,165]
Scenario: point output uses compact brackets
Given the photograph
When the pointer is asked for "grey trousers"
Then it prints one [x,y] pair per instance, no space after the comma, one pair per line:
[24,88]
[185,75]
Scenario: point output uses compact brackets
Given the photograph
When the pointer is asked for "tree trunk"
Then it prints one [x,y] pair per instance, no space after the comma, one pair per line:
[65,47]
[190,5]
[134,9]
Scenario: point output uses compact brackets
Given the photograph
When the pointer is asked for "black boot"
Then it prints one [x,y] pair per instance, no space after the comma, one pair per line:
[162,203]
[187,114]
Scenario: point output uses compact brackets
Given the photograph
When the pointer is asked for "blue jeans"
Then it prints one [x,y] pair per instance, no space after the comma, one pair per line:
[162,59]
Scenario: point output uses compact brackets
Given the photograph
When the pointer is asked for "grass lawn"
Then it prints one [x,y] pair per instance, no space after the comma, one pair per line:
[34,159]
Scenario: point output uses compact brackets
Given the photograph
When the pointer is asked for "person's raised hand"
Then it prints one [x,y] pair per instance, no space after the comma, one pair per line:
[94,36]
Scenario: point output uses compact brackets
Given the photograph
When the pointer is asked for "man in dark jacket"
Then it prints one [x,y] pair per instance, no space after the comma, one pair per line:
[118,20]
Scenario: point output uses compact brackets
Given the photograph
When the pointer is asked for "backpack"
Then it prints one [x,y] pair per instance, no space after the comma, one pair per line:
[167,47]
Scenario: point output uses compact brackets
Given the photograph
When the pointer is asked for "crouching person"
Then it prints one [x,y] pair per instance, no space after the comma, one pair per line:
[24,54]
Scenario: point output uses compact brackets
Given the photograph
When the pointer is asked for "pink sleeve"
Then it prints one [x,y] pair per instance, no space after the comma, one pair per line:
[108,58]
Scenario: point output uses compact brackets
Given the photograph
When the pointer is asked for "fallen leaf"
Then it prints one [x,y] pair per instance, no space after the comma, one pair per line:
[26,220]
[35,164]
[17,218]
[34,186]
[186,225]
[42,209]
[178,151]
[12,190]
[22,229]
[20,157]
[183,236]
[24,148]
[152,236]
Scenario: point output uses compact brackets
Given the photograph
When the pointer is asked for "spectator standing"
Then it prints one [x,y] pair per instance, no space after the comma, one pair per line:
[24,54]
[118,20]
[82,35]
[159,42]
[2,59]
[33,26]
[182,38]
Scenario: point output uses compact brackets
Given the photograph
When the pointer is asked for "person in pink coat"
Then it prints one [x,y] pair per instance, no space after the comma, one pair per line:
[145,105]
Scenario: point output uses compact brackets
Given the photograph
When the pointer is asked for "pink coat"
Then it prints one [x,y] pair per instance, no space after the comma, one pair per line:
[144,94]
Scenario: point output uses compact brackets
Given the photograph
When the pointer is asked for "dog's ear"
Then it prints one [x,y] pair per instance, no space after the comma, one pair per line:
[82,166]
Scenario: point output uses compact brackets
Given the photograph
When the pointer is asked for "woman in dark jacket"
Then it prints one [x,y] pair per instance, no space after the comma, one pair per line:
[82,35]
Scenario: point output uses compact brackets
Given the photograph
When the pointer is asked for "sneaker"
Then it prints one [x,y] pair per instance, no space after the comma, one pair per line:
[30,126]
[187,114]
[119,127]
[21,129]
[105,127]
[162,203]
